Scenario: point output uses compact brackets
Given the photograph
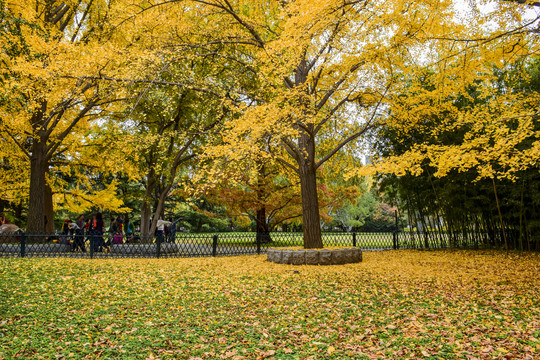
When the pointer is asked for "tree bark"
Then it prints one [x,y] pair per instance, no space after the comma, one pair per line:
[36,205]
[308,189]
[145,220]
[146,209]
[310,208]
[263,231]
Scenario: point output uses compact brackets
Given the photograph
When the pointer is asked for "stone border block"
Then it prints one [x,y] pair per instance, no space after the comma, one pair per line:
[274,255]
[315,257]
[286,257]
[312,257]
[298,257]
[356,255]
[325,257]
[338,257]
[348,256]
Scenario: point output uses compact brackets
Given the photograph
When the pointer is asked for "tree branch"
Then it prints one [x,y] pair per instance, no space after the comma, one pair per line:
[80,22]
[15,141]
[296,170]
[342,144]
[337,84]
[156,82]
[354,136]
[54,145]
[327,44]
[250,28]
[289,146]
[332,112]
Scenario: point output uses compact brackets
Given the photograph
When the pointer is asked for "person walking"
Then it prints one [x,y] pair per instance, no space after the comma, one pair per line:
[66,232]
[129,229]
[172,231]
[118,231]
[160,229]
[79,234]
[97,232]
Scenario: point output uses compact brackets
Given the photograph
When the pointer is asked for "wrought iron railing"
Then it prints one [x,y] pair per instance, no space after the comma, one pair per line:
[180,244]
[222,244]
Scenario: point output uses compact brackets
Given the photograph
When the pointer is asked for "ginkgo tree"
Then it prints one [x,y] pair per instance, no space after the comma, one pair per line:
[472,87]
[170,126]
[319,69]
[269,194]
[307,78]
[46,107]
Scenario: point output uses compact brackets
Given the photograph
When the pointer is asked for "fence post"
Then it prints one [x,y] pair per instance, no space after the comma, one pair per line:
[23,244]
[92,242]
[214,245]
[395,235]
[158,245]
[354,239]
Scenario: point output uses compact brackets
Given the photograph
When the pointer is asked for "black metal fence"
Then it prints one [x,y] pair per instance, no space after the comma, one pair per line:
[193,245]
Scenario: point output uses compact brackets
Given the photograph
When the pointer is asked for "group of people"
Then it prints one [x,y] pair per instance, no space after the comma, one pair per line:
[121,231]
[166,230]
[80,230]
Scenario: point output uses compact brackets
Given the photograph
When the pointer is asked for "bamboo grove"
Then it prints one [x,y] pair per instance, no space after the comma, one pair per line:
[466,206]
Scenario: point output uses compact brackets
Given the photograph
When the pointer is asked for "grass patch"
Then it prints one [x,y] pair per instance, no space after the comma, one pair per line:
[363,240]
[399,304]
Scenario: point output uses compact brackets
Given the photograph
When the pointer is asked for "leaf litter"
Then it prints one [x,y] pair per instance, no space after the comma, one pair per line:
[396,304]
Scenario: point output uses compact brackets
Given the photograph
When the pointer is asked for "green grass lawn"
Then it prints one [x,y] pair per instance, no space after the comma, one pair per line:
[396,304]
[363,240]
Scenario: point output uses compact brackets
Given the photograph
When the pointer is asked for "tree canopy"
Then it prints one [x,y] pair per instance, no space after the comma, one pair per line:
[300,84]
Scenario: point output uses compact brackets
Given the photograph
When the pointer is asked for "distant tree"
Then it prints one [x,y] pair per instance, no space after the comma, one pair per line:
[48,99]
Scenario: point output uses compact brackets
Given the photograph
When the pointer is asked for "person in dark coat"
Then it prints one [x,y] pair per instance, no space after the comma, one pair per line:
[79,234]
[97,231]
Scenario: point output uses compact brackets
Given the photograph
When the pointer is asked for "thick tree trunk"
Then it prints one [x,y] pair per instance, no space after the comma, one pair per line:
[38,167]
[263,232]
[305,158]
[310,207]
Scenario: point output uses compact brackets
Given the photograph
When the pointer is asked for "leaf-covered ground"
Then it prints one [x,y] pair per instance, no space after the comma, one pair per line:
[396,304]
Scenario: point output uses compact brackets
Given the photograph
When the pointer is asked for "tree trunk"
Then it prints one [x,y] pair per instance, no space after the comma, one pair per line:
[263,232]
[36,205]
[146,210]
[310,207]
[159,208]
[145,220]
